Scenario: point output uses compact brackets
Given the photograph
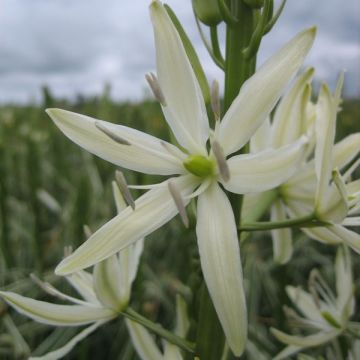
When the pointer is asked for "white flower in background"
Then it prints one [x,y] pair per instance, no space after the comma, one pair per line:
[324,313]
[199,167]
[145,344]
[317,187]
[105,293]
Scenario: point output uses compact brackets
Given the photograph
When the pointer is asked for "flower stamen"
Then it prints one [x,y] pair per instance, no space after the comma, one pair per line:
[124,189]
[155,88]
[221,161]
[179,202]
[111,135]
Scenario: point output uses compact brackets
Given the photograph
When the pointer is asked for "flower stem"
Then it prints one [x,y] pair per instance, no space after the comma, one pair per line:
[159,330]
[304,221]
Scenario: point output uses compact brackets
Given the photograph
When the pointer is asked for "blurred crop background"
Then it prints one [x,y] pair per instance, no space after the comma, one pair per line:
[50,188]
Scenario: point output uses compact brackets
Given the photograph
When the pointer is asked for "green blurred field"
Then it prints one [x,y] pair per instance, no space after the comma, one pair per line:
[49,188]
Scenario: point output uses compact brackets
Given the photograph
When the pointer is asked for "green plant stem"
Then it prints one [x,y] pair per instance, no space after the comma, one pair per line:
[304,221]
[159,330]
[238,68]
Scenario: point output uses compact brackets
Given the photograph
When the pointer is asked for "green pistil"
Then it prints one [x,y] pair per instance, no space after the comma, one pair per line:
[199,165]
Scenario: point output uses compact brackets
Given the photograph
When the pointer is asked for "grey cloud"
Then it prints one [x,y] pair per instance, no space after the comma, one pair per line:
[77,46]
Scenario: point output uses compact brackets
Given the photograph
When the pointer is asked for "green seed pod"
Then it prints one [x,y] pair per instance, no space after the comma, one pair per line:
[199,165]
[207,11]
[256,4]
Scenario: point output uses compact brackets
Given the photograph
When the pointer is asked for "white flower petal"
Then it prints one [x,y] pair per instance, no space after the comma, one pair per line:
[323,234]
[185,108]
[152,210]
[306,341]
[260,93]
[289,118]
[128,258]
[346,150]
[221,265]
[325,136]
[282,238]
[182,319]
[261,139]
[64,350]
[305,303]
[350,238]
[143,342]
[145,154]
[265,170]
[108,286]
[172,352]
[58,315]
[351,221]
[82,282]
[344,283]
[289,350]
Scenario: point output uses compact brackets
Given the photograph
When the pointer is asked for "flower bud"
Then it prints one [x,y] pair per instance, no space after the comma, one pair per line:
[207,11]
[256,4]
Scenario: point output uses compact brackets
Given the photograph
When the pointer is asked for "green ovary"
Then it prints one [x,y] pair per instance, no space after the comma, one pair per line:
[199,165]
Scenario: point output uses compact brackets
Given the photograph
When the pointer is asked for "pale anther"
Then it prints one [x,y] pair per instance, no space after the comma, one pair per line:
[215,99]
[176,195]
[155,87]
[124,189]
[221,161]
[87,231]
[110,134]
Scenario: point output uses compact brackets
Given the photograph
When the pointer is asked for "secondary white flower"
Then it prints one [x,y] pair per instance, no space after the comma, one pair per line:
[315,187]
[183,106]
[145,344]
[323,312]
[105,294]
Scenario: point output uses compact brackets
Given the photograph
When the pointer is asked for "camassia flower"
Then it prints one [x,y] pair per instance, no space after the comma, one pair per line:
[323,313]
[105,293]
[317,187]
[202,164]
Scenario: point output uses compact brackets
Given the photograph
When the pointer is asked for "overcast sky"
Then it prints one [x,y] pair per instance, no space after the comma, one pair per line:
[75,46]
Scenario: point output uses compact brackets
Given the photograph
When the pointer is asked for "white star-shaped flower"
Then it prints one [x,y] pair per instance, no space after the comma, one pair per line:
[203,163]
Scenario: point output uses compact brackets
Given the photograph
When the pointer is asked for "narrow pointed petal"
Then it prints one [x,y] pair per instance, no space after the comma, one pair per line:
[265,170]
[290,118]
[289,350]
[58,315]
[350,238]
[182,319]
[305,303]
[129,257]
[344,283]
[82,282]
[143,342]
[185,108]
[172,352]
[64,350]
[107,284]
[260,93]
[282,238]
[261,139]
[145,152]
[306,341]
[152,210]
[325,136]
[346,150]
[221,265]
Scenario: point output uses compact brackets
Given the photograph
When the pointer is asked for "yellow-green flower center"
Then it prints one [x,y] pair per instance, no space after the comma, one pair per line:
[199,165]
